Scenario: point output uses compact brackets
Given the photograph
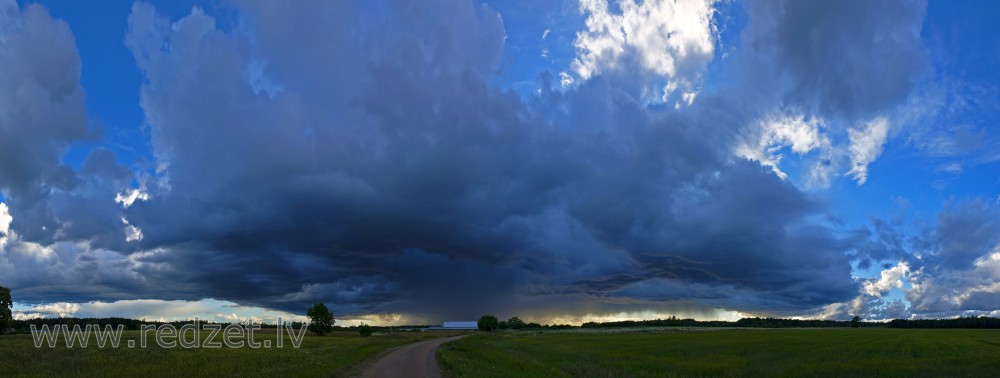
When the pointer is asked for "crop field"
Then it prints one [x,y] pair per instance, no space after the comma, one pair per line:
[734,352]
[333,354]
[631,352]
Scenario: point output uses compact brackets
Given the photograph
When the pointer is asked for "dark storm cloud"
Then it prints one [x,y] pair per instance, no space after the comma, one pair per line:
[42,112]
[380,171]
[966,231]
[358,153]
[883,240]
[852,58]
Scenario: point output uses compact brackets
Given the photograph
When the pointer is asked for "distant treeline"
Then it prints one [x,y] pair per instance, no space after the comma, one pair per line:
[745,322]
[962,322]
[800,323]
[969,322]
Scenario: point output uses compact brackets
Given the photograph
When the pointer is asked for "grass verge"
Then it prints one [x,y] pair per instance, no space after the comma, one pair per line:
[333,354]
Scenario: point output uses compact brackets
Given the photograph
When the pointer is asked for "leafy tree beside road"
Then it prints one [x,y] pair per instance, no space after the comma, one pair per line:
[320,319]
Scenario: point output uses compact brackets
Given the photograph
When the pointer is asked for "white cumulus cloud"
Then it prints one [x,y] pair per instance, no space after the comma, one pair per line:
[796,132]
[5,219]
[129,196]
[891,278]
[671,40]
[866,146]
[132,233]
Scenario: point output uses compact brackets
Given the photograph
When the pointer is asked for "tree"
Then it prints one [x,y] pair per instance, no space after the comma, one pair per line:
[5,305]
[320,319]
[515,323]
[856,322]
[488,323]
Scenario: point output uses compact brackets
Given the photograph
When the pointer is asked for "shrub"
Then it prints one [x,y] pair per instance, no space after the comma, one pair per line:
[488,323]
[515,323]
[365,330]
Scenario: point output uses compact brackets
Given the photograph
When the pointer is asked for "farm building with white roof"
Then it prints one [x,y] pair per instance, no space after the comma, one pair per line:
[456,326]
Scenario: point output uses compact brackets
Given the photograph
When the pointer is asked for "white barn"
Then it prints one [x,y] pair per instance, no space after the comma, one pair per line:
[456,326]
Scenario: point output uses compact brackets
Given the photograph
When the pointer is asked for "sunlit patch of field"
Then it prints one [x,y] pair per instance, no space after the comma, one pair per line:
[733,352]
[333,354]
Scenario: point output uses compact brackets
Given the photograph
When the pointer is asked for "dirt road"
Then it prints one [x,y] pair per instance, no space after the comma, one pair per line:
[414,360]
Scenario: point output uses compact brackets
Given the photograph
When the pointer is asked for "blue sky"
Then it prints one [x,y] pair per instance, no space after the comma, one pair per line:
[577,160]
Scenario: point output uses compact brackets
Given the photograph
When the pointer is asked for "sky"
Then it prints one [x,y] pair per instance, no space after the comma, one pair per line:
[411,162]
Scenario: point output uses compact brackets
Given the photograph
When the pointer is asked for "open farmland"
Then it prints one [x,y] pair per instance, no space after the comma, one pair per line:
[732,352]
[335,354]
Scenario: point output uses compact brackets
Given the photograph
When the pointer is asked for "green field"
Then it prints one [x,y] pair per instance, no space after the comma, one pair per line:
[589,352]
[331,355]
[734,352]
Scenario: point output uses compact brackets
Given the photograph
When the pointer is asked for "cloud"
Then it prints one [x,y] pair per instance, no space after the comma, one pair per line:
[802,135]
[61,309]
[42,113]
[851,58]
[42,110]
[951,292]
[847,63]
[360,154]
[670,42]
[947,270]
[866,146]
[130,195]
[966,231]
[5,220]
[889,279]
[158,310]
[953,168]
[775,132]
[389,176]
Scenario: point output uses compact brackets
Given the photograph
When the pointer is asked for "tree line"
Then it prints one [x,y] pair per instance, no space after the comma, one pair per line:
[742,323]
[960,322]
[489,323]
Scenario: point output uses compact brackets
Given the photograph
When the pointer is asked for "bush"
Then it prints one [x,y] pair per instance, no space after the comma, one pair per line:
[365,330]
[515,323]
[488,323]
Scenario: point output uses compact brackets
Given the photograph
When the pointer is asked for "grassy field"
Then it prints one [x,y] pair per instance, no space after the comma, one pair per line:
[734,352]
[317,357]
